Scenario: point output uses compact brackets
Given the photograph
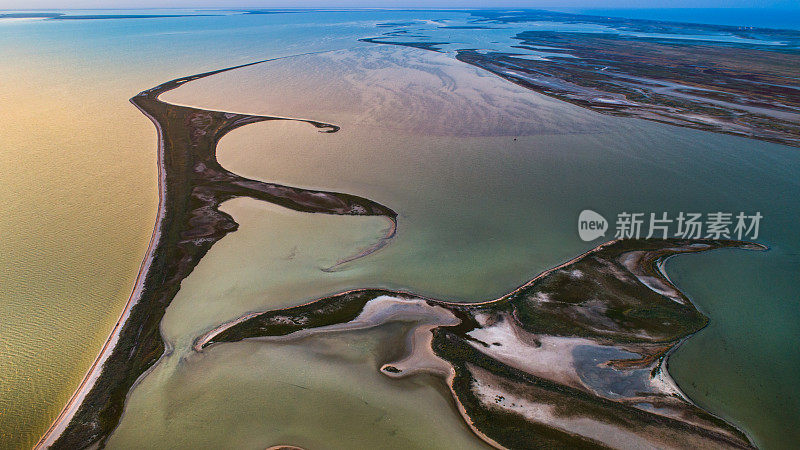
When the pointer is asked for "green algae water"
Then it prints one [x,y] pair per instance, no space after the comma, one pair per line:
[320,392]
[488,179]
[740,365]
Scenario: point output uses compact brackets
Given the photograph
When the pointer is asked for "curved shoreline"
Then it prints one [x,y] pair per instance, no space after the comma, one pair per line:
[576,356]
[205,339]
[69,410]
[90,379]
[192,185]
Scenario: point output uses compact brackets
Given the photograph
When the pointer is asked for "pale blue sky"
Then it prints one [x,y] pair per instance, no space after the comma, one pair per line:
[46,4]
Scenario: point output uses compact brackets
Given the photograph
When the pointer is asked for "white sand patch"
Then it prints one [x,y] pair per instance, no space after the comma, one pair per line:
[546,414]
[551,360]
[420,359]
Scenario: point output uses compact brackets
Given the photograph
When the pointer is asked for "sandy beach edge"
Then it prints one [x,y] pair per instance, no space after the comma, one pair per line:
[65,416]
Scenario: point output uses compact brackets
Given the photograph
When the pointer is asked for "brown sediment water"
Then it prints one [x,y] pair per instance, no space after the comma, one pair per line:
[78,204]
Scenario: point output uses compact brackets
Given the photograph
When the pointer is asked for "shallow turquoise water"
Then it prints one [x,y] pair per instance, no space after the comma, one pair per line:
[744,364]
[479,212]
[783,18]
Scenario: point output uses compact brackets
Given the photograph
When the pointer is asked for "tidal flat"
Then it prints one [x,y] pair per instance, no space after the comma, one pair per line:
[718,78]
[421,194]
[486,178]
[573,357]
[193,184]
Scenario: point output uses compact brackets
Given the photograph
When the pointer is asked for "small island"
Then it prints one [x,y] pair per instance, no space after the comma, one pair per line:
[576,357]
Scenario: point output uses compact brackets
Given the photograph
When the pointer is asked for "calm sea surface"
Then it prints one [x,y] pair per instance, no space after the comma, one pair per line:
[488,179]
[742,17]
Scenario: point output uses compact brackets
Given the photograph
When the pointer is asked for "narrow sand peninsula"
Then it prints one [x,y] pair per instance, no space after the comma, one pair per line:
[192,185]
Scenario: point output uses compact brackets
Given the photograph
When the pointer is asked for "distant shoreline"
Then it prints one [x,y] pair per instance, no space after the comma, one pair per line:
[769,18]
